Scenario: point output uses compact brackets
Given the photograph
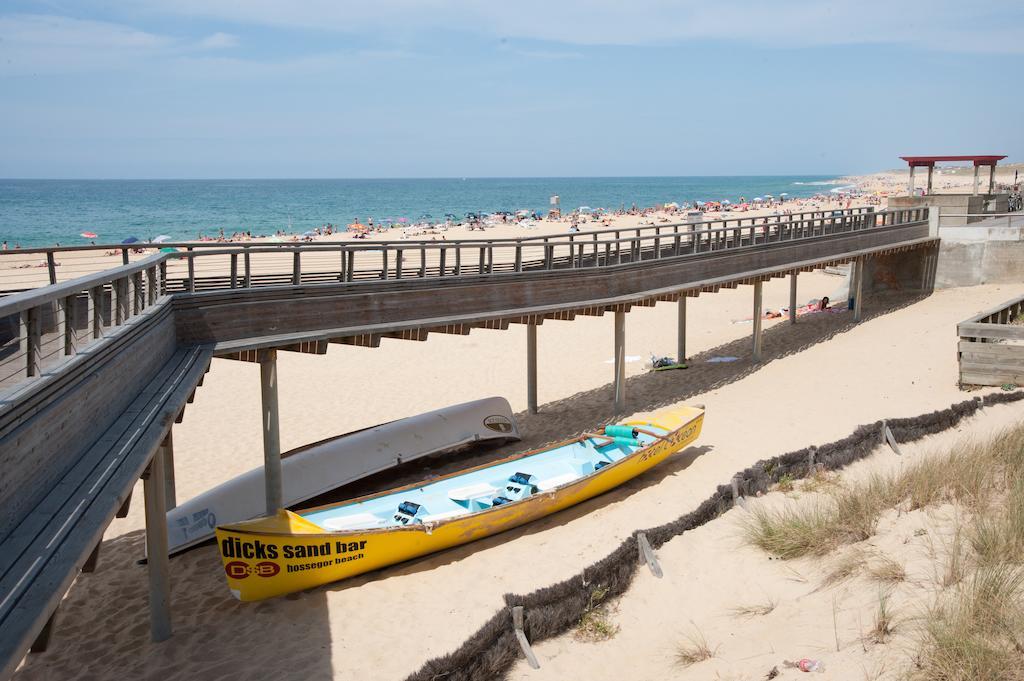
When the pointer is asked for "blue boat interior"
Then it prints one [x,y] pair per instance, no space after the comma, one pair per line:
[488,487]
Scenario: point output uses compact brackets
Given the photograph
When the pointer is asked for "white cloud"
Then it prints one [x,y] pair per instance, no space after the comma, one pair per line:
[219,41]
[932,24]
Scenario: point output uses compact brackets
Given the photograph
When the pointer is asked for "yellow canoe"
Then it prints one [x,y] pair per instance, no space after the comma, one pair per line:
[289,552]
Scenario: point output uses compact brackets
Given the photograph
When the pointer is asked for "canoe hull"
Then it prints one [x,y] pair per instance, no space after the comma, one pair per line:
[287,553]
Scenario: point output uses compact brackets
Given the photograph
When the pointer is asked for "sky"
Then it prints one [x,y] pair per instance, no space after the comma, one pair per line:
[490,88]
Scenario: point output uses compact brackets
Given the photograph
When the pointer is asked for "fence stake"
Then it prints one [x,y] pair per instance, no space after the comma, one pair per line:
[647,555]
[524,643]
[889,439]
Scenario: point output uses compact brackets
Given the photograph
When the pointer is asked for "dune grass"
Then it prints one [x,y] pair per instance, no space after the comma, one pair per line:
[975,628]
[693,649]
[596,623]
[755,609]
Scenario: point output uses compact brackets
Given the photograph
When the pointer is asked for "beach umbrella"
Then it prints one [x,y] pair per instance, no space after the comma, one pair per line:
[726,201]
[403,220]
[162,238]
[88,235]
[309,233]
[131,240]
[783,194]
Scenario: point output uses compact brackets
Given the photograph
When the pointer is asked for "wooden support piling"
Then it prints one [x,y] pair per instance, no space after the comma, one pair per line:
[681,331]
[758,311]
[531,367]
[170,490]
[271,431]
[156,550]
[858,297]
[620,361]
[792,298]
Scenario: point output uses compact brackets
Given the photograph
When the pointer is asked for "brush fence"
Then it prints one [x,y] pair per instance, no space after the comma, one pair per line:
[490,652]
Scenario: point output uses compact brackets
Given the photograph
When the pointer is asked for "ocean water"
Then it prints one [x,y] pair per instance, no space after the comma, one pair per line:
[44,212]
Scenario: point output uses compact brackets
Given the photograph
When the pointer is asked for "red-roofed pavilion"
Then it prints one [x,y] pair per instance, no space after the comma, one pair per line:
[929,162]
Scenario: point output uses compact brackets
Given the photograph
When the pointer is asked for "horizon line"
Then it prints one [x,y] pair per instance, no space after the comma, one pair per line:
[453,177]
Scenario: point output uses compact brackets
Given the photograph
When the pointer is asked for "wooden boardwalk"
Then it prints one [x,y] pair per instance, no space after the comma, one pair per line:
[98,368]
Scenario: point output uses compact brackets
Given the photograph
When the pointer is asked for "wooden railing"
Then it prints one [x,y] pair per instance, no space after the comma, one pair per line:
[56,322]
[34,267]
[43,326]
[991,346]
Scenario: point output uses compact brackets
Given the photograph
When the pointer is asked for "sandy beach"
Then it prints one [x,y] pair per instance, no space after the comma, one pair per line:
[822,377]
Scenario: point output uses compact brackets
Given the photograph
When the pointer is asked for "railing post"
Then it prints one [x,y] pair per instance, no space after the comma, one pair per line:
[151,284]
[247,268]
[32,333]
[51,267]
[119,292]
[441,255]
[350,269]
[384,263]
[124,256]
[69,324]
[341,263]
[483,256]
[96,310]
[191,271]
[138,300]
[490,257]
[398,263]
[934,213]
[296,267]
[519,256]
[163,277]
[549,255]
[423,262]
[234,270]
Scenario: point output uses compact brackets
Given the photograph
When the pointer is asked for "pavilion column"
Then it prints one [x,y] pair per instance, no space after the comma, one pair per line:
[531,367]
[792,298]
[991,178]
[858,290]
[681,331]
[620,361]
[271,431]
[758,311]
[910,183]
[157,561]
[930,171]
[975,192]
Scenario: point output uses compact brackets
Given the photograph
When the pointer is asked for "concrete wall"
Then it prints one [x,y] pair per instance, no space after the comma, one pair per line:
[988,252]
[899,272]
[955,204]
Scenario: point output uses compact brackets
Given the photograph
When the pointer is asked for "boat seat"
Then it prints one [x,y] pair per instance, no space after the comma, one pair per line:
[519,486]
[444,515]
[551,483]
[472,492]
[350,522]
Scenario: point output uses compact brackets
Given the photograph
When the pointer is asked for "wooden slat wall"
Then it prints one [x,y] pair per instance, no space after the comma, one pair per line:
[41,435]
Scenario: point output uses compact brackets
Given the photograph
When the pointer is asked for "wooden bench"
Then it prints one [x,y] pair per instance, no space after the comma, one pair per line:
[42,552]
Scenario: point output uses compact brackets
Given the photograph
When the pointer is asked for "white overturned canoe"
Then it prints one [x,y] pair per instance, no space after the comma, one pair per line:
[328,464]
